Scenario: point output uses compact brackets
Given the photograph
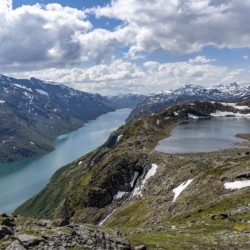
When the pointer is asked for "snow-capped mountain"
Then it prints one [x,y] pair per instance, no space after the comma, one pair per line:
[29,94]
[231,92]
[34,112]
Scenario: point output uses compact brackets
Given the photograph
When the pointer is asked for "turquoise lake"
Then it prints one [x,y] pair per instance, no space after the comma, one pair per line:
[21,180]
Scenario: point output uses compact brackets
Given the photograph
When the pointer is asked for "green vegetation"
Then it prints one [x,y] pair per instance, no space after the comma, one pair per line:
[204,216]
[244,136]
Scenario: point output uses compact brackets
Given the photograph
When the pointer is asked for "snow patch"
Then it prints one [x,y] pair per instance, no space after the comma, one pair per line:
[237,184]
[193,116]
[234,105]
[119,138]
[22,87]
[176,113]
[151,172]
[177,191]
[106,218]
[79,163]
[42,92]
[157,122]
[132,183]
[32,143]
[2,102]
[119,195]
[226,113]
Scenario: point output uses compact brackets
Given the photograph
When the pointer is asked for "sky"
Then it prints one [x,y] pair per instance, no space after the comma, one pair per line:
[126,46]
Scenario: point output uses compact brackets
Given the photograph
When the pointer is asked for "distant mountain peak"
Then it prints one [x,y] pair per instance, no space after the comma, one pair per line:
[188,92]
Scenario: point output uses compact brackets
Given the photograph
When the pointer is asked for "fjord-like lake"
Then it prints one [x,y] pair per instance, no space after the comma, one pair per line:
[21,180]
[205,135]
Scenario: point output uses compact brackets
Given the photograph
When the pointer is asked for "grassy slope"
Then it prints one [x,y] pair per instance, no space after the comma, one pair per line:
[22,137]
[84,191]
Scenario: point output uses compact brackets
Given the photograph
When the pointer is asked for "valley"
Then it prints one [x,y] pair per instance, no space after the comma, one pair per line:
[124,125]
[34,112]
[23,179]
[127,186]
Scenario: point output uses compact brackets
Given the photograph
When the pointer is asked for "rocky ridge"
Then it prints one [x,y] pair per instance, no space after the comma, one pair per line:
[127,185]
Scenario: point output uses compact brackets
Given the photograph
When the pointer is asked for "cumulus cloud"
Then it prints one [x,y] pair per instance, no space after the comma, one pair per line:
[41,36]
[182,26]
[45,36]
[51,42]
[123,77]
[201,59]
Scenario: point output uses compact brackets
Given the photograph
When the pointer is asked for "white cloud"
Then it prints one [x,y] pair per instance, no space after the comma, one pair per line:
[51,41]
[200,59]
[35,37]
[245,57]
[122,76]
[182,26]
[5,5]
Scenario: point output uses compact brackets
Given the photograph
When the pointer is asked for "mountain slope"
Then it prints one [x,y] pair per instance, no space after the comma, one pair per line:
[231,92]
[34,112]
[125,184]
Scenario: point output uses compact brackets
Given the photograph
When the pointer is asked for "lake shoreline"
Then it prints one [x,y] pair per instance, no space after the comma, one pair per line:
[23,179]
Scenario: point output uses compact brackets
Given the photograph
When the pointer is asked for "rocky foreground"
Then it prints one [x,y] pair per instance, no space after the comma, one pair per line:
[17,233]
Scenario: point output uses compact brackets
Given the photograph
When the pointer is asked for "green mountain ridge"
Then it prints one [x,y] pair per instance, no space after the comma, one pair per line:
[205,216]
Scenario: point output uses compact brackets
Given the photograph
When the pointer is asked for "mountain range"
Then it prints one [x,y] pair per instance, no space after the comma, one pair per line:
[231,92]
[34,112]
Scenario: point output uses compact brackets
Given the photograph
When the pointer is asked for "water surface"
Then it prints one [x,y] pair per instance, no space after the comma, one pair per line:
[205,135]
[21,180]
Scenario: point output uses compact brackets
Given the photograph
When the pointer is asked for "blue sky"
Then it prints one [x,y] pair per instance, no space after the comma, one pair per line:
[79,4]
[125,46]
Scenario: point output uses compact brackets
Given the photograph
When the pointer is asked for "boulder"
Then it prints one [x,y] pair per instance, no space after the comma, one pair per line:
[142,247]
[4,231]
[29,240]
[15,246]
[7,223]
[61,222]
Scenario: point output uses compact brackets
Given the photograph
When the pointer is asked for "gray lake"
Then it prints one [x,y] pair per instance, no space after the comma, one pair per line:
[21,180]
[205,135]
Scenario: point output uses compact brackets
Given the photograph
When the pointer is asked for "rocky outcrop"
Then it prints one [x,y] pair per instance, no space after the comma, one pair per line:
[35,234]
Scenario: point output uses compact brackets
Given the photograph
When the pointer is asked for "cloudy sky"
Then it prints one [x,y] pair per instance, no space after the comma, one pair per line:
[122,46]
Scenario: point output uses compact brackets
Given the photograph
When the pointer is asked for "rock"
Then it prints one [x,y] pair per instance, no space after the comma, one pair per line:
[219,216]
[4,215]
[142,247]
[29,240]
[15,246]
[90,242]
[61,248]
[61,223]
[4,231]
[157,229]
[7,223]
